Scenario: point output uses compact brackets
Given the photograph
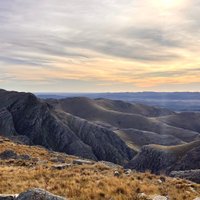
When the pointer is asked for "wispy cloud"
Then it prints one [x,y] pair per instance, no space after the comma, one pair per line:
[137,44]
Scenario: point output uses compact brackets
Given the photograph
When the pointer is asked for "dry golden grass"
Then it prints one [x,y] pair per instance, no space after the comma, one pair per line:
[86,182]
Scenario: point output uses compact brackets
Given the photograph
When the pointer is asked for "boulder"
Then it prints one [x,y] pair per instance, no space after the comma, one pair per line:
[142,196]
[127,171]
[8,154]
[24,157]
[159,197]
[81,162]
[110,164]
[7,197]
[38,194]
[117,173]
[61,166]
[57,160]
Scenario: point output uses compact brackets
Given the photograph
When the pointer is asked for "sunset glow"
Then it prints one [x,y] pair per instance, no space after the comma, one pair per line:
[170,3]
[96,46]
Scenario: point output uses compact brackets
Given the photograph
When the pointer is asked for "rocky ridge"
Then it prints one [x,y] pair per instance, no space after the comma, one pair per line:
[43,125]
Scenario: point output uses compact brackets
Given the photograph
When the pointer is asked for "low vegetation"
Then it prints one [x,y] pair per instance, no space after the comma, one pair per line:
[82,182]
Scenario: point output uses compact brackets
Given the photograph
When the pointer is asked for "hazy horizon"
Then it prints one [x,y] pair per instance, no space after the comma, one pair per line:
[107,46]
[99,92]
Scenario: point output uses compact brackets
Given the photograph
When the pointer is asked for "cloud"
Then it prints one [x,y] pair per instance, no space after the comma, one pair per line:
[143,43]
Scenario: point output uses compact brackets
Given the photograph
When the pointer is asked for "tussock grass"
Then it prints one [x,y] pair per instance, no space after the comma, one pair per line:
[85,182]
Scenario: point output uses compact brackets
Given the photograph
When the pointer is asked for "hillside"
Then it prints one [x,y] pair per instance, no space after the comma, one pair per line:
[157,158]
[127,118]
[24,167]
[176,101]
[181,120]
[42,125]
[133,135]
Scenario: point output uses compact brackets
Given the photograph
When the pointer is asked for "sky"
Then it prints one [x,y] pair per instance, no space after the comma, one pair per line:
[100,46]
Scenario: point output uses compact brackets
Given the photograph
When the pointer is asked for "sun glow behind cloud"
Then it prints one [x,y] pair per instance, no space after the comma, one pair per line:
[100,46]
[169,3]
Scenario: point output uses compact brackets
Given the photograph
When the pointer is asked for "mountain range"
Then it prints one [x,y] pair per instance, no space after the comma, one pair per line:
[177,101]
[134,135]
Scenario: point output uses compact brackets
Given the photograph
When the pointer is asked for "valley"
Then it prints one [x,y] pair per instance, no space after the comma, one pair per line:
[147,140]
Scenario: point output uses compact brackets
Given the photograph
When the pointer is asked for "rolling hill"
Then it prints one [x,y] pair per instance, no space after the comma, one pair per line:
[138,136]
[127,119]
[36,120]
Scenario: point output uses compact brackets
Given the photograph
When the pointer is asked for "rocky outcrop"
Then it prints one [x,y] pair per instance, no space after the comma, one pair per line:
[157,158]
[38,194]
[60,131]
[153,159]
[32,194]
[6,122]
[192,175]
[191,160]
[7,197]
[9,154]
[82,162]
[159,197]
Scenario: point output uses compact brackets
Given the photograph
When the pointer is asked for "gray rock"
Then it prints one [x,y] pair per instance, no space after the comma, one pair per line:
[8,154]
[159,197]
[57,160]
[127,171]
[110,164]
[38,194]
[7,197]
[6,122]
[24,157]
[192,175]
[61,166]
[117,173]
[81,162]
[142,196]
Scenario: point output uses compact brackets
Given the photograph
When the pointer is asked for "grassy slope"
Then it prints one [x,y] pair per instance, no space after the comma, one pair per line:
[95,181]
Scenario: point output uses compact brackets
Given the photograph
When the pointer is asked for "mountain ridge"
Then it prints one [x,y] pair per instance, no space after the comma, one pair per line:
[100,129]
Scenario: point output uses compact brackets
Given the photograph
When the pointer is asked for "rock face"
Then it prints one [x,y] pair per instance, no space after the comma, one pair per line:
[157,158]
[38,194]
[153,159]
[191,160]
[192,175]
[59,131]
[6,122]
